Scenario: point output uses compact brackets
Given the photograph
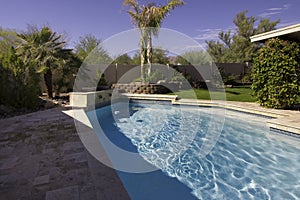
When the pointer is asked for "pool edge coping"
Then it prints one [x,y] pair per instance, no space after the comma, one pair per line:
[277,120]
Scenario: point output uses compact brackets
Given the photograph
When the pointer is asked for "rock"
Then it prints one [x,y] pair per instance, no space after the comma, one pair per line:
[5,109]
[42,103]
[49,104]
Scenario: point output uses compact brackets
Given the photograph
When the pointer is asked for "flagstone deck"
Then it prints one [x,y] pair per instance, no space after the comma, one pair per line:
[42,157]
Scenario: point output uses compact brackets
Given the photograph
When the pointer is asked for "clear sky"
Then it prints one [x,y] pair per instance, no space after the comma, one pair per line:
[199,19]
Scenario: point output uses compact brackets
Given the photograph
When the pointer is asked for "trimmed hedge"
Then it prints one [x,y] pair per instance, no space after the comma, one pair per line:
[276,74]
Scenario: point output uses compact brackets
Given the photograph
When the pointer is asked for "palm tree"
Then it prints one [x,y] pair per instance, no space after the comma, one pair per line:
[148,20]
[45,49]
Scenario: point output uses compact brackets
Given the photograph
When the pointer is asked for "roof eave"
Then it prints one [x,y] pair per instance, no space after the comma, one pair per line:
[275,33]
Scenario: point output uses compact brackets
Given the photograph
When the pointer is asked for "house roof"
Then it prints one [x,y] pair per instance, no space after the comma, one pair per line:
[291,33]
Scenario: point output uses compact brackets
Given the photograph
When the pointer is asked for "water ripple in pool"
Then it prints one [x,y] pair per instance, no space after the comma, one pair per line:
[244,164]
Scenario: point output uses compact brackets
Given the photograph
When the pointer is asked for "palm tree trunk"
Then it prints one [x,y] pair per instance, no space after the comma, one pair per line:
[48,82]
[143,55]
[149,53]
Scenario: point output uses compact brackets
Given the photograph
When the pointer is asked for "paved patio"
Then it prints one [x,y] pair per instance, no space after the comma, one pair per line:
[42,157]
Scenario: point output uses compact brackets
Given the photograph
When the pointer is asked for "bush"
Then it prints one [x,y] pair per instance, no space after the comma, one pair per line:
[230,79]
[276,74]
[19,86]
[155,76]
[102,81]
[177,76]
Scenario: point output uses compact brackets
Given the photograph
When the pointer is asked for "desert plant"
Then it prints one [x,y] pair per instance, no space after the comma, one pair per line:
[46,49]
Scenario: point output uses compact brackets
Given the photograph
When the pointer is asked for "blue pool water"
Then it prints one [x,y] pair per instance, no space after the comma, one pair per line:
[247,161]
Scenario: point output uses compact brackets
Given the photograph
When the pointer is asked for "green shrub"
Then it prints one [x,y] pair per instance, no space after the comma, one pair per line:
[230,79]
[276,74]
[19,86]
[102,81]
[177,76]
[155,76]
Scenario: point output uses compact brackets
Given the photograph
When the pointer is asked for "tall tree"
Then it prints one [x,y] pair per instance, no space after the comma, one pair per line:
[46,49]
[148,19]
[193,57]
[90,50]
[159,56]
[123,59]
[236,47]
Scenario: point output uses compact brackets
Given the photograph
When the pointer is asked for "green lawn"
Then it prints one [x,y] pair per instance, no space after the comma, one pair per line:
[232,94]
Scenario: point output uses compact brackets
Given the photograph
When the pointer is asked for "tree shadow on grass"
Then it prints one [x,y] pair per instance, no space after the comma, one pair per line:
[231,92]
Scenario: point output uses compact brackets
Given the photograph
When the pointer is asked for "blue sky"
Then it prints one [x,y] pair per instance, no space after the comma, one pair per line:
[199,19]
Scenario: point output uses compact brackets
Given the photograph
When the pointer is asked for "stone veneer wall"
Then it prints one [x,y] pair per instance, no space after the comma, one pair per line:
[138,88]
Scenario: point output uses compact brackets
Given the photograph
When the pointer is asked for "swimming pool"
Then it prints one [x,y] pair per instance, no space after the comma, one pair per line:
[247,161]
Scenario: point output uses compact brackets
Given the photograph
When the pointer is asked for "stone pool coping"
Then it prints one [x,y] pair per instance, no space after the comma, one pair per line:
[285,120]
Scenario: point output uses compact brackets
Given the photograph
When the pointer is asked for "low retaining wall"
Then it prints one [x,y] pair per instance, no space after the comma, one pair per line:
[87,99]
[139,88]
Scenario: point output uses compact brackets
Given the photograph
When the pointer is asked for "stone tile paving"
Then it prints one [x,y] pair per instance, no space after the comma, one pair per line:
[42,157]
